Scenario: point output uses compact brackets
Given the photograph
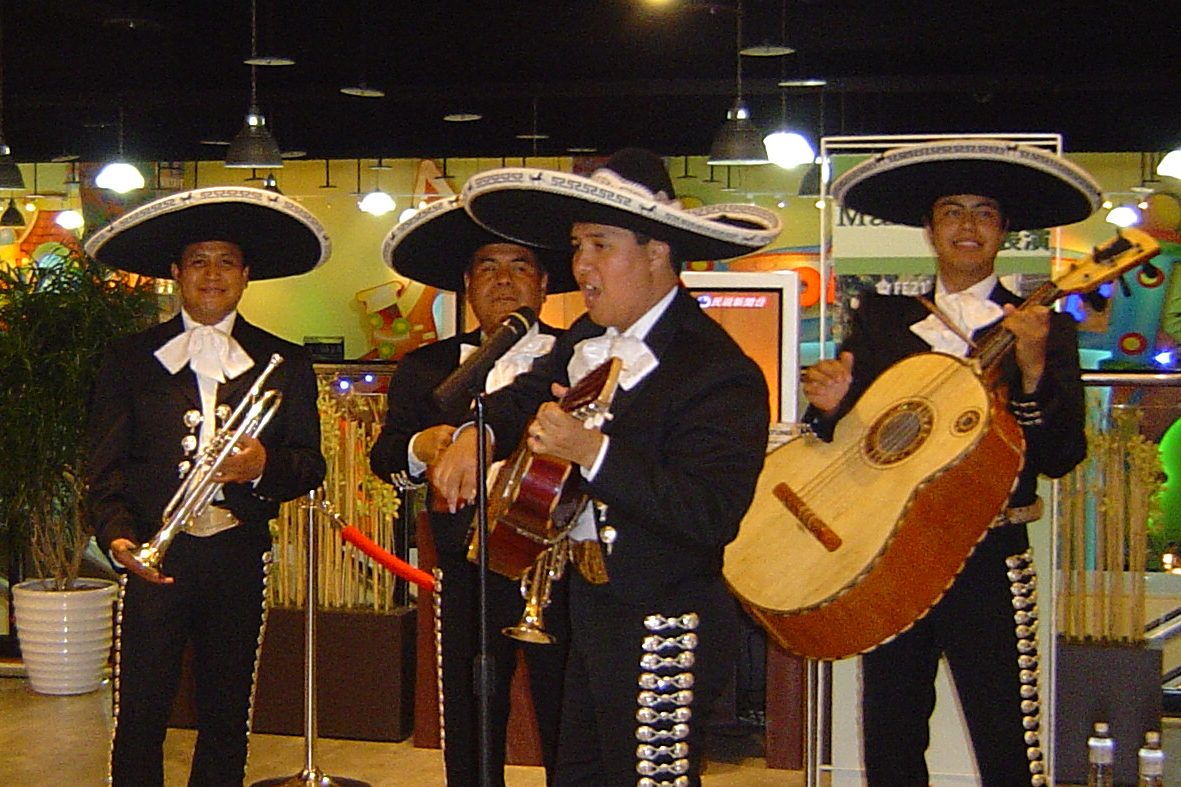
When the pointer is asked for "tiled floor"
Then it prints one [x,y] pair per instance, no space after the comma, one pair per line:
[51,741]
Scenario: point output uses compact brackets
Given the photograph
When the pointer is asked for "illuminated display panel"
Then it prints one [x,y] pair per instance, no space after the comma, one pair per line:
[761,312]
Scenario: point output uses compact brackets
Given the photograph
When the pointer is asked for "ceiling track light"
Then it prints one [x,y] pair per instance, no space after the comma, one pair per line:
[254,146]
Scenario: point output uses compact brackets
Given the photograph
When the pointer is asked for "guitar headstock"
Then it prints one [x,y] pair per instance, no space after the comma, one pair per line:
[596,388]
[1107,261]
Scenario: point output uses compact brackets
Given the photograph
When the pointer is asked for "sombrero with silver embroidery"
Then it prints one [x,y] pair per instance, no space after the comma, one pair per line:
[278,237]
[435,246]
[632,190]
[1035,188]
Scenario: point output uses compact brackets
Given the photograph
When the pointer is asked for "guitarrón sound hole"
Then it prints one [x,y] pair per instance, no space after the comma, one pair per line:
[898,433]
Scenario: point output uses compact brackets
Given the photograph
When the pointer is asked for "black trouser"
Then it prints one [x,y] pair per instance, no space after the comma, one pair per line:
[974,627]
[607,691]
[461,643]
[216,603]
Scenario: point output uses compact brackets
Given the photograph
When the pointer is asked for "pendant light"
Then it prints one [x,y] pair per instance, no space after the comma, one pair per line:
[11,217]
[119,176]
[10,174]
[377,202]
[786,148]
[739,142]
[254,146]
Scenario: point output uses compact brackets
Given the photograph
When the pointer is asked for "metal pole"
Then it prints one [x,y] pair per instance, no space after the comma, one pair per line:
[310,776]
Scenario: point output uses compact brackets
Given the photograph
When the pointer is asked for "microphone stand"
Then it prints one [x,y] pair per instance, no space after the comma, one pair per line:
[310,776]
[484,666]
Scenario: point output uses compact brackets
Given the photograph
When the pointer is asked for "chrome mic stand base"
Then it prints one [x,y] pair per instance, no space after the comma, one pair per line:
[312,778]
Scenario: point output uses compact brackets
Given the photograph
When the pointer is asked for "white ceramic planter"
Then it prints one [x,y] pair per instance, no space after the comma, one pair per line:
[65,636]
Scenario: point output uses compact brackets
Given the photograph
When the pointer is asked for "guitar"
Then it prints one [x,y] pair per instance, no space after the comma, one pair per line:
[847,543]
[535,497]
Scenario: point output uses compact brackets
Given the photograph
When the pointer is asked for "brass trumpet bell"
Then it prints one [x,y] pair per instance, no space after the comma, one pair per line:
[536,585]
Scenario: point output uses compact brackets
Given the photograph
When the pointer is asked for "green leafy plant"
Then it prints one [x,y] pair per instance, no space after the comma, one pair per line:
[57,314]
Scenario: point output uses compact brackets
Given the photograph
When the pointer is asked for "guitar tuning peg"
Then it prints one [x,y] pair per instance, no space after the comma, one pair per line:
[1124,288]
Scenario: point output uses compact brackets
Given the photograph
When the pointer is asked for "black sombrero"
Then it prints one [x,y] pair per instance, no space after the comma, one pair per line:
[632,190]
[1034,187]
[278,237]
[435,246]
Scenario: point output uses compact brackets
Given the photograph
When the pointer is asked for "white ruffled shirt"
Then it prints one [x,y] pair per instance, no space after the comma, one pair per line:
[969,309]
[518,360]
[638,363]
[213,354]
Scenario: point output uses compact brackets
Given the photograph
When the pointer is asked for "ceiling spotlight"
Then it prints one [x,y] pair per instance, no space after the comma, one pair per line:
[462,117]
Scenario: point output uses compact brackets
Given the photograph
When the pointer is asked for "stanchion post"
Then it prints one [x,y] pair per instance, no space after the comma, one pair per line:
[310,776]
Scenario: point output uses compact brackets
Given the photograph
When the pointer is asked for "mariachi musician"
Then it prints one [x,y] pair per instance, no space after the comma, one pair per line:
[442,247]
[670,473]
[966,195]
[160,398]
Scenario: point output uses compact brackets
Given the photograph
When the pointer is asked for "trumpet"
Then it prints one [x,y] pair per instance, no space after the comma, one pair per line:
[197,488]
[536,586]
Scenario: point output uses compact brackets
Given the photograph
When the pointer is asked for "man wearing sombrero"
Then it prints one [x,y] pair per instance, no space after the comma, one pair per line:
[442,247]
[967,194]
[154,407]
[670,472]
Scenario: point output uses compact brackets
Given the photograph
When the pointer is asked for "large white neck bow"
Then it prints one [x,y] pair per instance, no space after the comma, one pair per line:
[967,310]
[208,352]
[589,354]
[518,360]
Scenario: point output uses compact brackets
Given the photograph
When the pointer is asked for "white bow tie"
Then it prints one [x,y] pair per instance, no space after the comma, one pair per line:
[968,311]
[207,351]
[589,354]
[518,360]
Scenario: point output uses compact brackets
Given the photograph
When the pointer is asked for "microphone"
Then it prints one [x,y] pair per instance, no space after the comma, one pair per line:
[463,383]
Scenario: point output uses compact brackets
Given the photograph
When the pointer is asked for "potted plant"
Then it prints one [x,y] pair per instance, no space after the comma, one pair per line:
[57,313]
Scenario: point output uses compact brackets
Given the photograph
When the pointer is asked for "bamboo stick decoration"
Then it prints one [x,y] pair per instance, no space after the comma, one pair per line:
[1103,565]
[349,423]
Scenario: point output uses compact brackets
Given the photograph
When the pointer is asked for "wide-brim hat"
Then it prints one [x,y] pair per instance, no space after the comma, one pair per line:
[436,244]
[278,236]
[1035,187]
[632,190]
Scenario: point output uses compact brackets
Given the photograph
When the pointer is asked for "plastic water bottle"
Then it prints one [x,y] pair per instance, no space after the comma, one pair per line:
[1152,761]
[1101,757]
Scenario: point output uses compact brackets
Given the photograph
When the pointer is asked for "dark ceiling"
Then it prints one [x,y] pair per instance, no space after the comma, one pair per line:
[595,73]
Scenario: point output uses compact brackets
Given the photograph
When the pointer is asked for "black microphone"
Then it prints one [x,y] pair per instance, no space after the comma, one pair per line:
[466,381]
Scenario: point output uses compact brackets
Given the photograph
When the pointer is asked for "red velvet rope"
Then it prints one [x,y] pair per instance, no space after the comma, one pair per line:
[390,562]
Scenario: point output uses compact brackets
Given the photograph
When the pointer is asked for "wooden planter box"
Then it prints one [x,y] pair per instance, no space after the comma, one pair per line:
[364,671]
